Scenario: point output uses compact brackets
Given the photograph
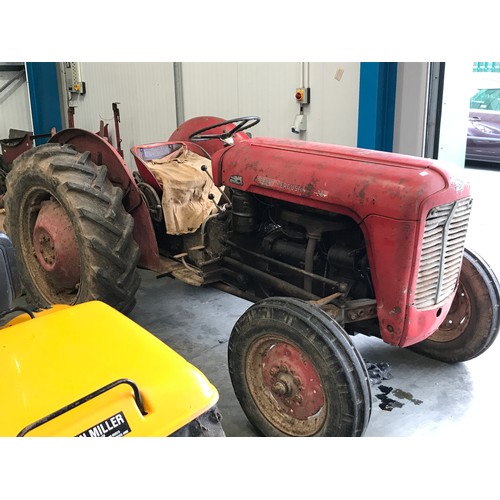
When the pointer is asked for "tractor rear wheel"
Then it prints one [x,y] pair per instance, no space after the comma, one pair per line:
[473,321]
[72,236]
[296,372]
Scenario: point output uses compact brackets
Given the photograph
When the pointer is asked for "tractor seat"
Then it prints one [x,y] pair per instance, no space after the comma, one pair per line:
[149,152]
[179,175]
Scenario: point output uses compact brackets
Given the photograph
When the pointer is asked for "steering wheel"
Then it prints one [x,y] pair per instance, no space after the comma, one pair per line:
[243,123]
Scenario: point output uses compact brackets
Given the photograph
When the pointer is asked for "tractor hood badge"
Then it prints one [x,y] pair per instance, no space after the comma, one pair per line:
[236,179]
[458,184]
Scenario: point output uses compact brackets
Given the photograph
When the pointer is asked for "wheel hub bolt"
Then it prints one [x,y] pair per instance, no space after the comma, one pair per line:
[280,388]
[274,371]
[47,249]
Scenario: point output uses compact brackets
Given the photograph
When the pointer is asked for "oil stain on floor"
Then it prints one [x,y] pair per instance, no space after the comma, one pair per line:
[377,373]
[388,404]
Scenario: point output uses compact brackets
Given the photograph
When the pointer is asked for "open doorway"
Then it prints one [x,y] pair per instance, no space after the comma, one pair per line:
[463,114]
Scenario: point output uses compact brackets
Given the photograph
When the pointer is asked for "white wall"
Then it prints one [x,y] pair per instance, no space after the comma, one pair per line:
[233,89]
[230,90]
[15,110]
[145,93]
[333,112]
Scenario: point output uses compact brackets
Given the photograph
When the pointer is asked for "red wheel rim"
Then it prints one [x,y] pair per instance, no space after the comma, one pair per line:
[456,320]
[286,386]
[56,247]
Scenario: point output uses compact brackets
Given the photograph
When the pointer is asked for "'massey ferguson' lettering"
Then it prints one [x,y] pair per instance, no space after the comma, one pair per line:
[114,426]
[268,182]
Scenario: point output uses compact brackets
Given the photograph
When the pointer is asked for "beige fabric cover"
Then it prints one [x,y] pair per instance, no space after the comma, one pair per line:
[185,190]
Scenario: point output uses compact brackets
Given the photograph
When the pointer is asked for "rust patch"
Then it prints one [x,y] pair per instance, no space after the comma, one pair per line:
[362,192]
[309,190]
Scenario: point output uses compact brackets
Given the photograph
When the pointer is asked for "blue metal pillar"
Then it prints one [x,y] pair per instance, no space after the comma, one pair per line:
[377,101]
[44,97]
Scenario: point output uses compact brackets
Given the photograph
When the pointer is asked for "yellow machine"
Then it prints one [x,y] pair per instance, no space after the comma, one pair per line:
[89,371]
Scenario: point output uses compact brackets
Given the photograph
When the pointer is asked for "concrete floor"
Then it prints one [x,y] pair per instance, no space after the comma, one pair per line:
[435,398]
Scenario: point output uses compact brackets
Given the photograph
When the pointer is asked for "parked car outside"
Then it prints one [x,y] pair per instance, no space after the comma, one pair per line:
[483,135]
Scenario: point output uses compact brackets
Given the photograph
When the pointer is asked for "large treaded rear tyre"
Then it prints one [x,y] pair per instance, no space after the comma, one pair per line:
[296,372]
[473,321]
[72,237]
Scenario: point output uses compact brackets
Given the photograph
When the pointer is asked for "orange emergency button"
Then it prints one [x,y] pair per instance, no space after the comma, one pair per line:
[302,95]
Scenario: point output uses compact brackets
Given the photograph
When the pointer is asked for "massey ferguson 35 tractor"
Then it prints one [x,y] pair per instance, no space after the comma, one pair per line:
[327,241]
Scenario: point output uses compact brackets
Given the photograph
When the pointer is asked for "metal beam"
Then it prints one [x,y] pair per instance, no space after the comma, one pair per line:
[179,93]
[4,67]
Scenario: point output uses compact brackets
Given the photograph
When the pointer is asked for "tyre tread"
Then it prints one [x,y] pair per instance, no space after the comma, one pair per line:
[331,342]
[105,229]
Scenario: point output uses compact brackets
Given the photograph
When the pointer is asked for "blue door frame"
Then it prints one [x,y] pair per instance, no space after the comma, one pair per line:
[377,103]
[44,98]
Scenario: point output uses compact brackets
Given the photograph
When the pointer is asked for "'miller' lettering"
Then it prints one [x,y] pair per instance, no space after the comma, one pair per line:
[107,427]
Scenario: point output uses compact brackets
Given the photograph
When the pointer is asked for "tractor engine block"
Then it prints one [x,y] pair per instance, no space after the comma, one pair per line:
[273,248]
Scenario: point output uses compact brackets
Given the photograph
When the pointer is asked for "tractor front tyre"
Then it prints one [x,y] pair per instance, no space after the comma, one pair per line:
[295,371]
[72,237]
[206,425]
[473,321]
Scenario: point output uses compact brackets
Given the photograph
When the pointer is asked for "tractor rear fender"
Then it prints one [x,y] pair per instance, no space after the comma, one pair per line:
[387,194]
[103,153]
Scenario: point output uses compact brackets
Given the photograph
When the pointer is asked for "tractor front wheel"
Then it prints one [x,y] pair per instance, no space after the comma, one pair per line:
[473,321]
[72,236]
[296,372]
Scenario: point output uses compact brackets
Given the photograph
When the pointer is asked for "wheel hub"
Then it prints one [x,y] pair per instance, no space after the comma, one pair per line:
[55,245]
[292,380]
[456,320]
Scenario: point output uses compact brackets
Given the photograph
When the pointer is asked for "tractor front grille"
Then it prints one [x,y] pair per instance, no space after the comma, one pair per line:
[442,250]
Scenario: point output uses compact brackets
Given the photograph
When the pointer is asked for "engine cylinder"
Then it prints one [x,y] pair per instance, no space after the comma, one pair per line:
[342,256]
[294,253]
[243,212]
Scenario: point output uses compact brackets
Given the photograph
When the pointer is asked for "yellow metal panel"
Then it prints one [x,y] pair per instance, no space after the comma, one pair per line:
[67,353]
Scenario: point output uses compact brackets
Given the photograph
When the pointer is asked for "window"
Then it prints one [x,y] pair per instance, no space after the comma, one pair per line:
[488,99]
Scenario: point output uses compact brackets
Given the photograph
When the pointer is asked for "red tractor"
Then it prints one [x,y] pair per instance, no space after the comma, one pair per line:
[327,242]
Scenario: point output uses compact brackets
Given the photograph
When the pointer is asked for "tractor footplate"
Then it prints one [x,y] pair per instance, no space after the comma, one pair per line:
[181,270]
